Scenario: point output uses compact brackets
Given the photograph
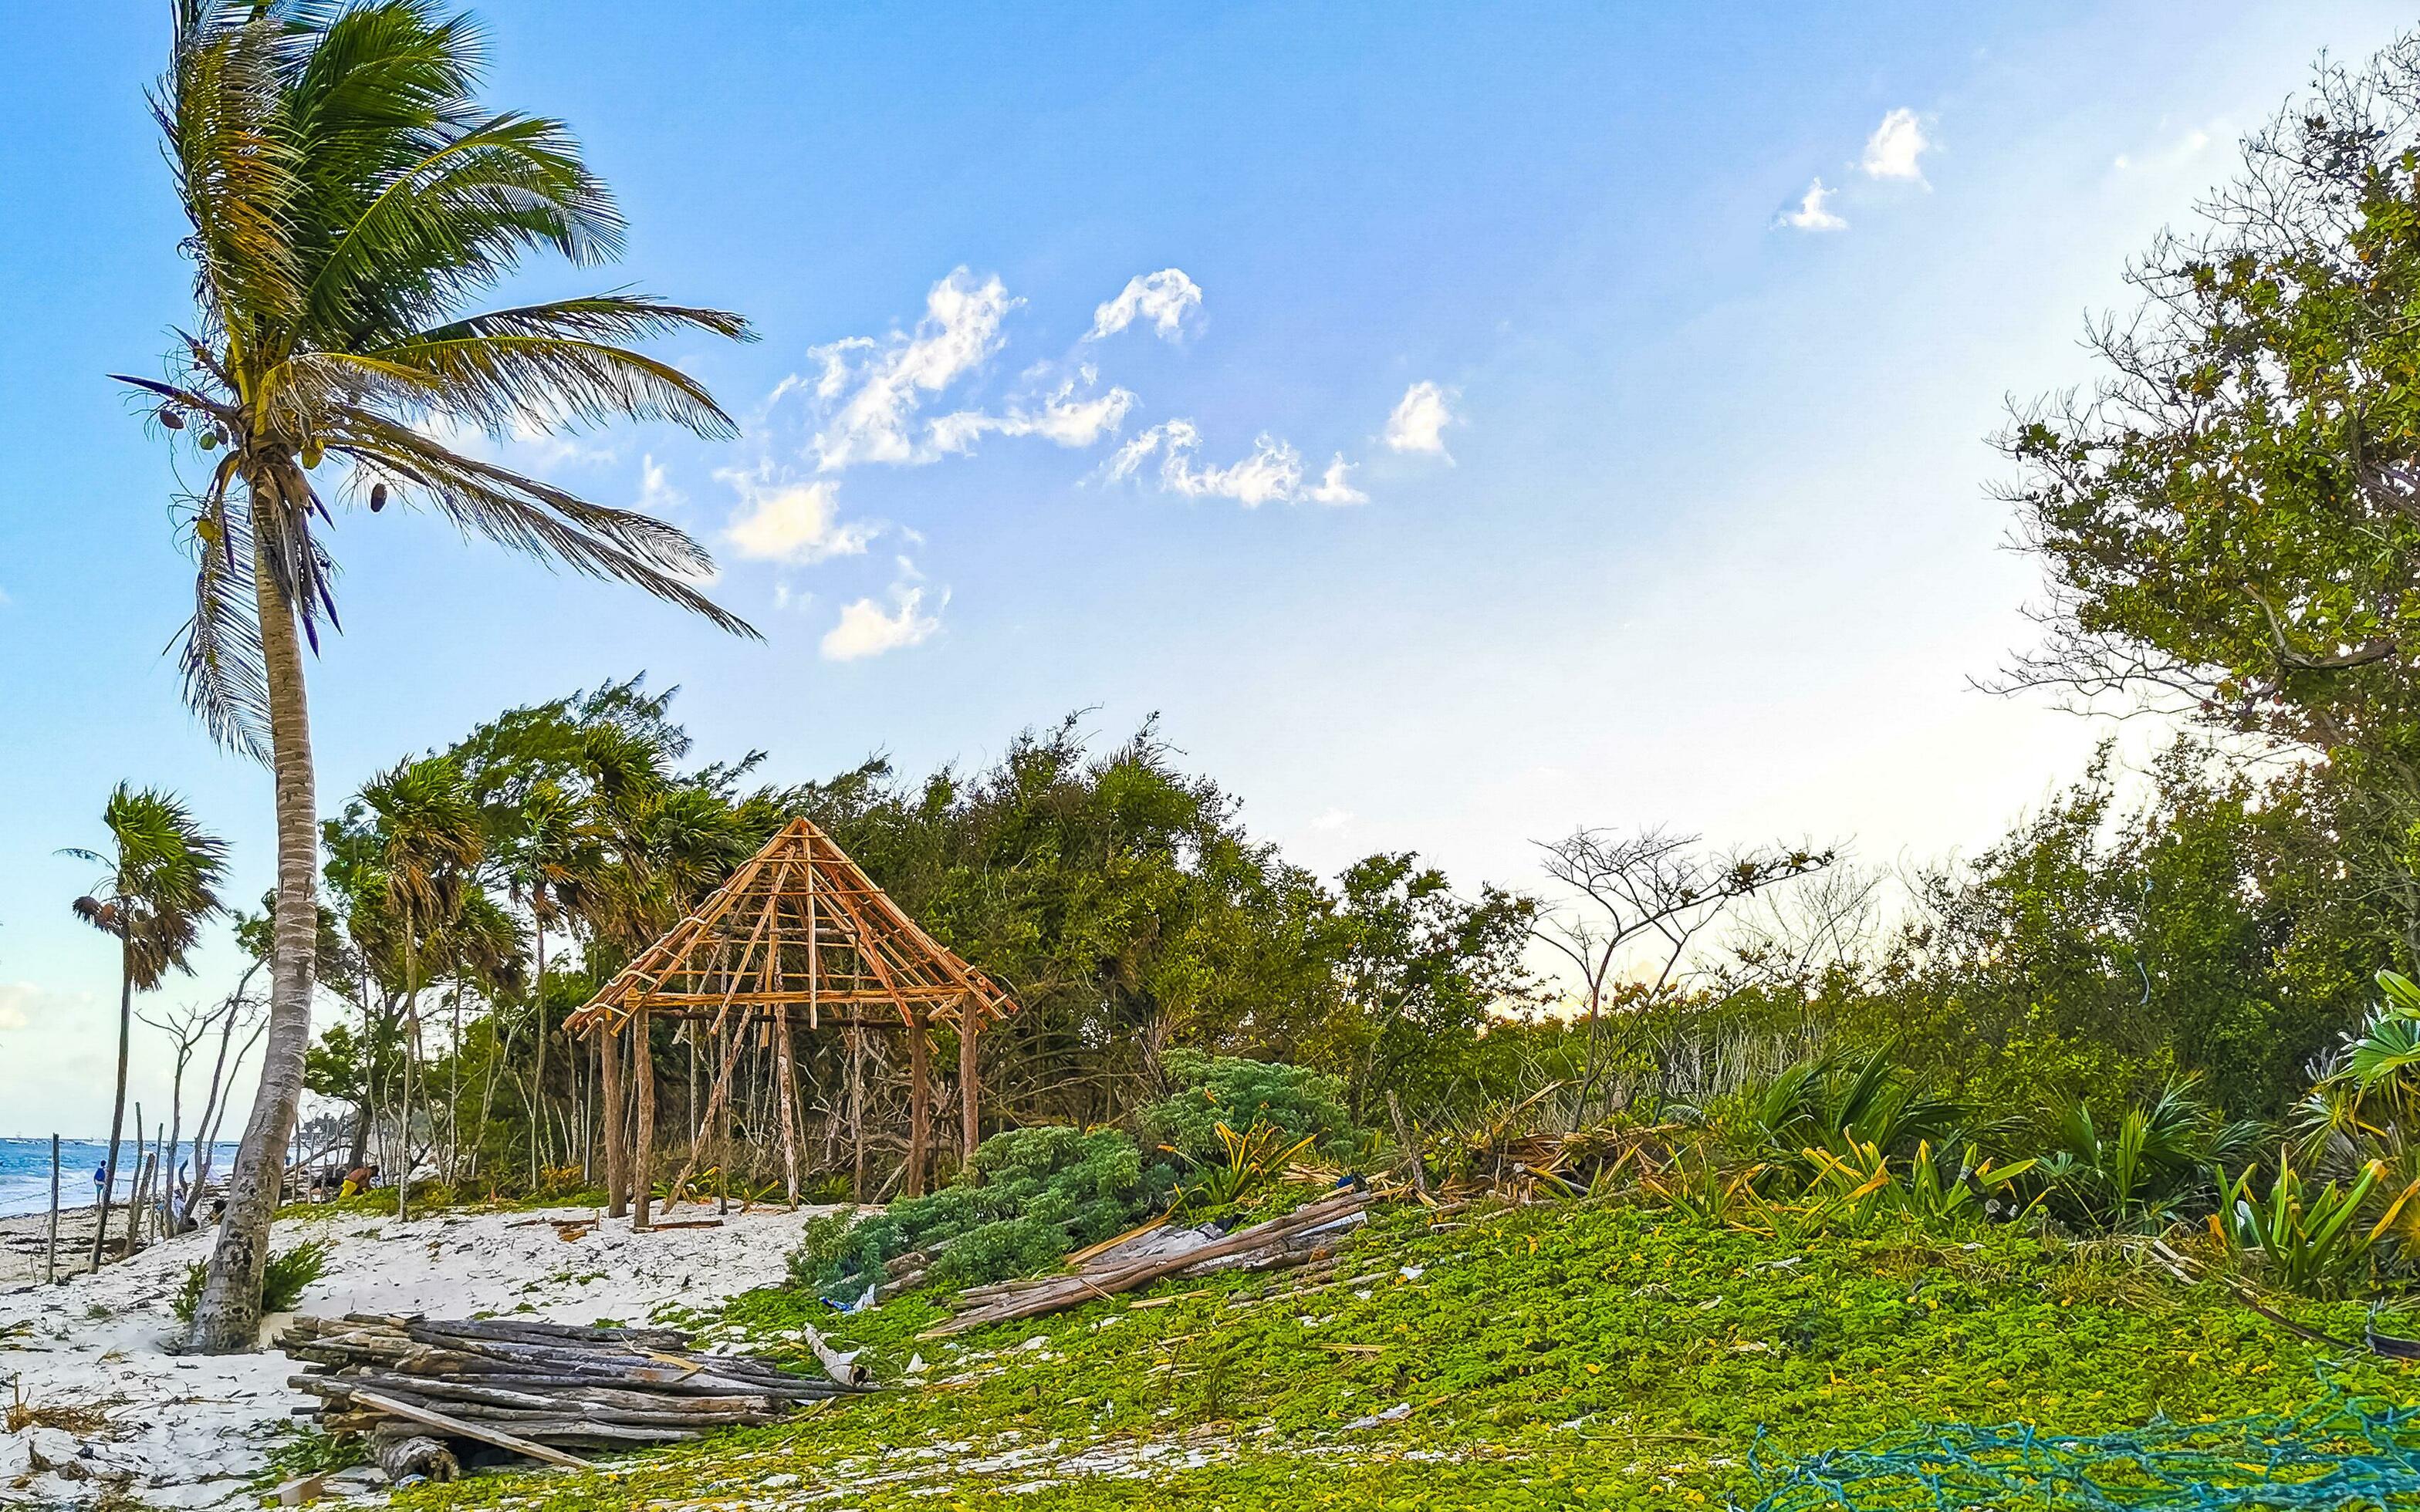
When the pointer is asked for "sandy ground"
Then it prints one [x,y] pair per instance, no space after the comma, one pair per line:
[24,1243]
[189,1431]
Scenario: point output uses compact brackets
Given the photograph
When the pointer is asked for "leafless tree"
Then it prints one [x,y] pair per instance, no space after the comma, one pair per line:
[1631,896]
[238,1013]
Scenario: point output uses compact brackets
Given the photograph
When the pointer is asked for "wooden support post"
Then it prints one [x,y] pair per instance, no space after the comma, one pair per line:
[857,1113]
[919,1103]
[787,1088]
[609,1115]
[643,1166]
[970,1083]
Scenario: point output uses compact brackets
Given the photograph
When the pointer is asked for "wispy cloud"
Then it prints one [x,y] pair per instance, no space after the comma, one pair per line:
[797,523]
[1164,299]
[1896,149]
[1272,473]
[870,390]
[1420,418]
[1811,215]
[1334,819]
[1061,417]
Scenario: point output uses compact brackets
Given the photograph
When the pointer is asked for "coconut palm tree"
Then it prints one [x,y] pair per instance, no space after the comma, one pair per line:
[350,200]
[165,872]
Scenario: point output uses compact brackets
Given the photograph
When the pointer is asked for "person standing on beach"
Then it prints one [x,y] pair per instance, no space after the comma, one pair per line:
[99,1180]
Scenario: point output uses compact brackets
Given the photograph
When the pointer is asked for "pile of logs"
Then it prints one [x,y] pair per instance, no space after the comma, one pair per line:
[425,1392]
[1307,1233]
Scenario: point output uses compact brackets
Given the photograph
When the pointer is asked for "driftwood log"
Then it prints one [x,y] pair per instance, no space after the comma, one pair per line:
[1138,1260]
[536,1389]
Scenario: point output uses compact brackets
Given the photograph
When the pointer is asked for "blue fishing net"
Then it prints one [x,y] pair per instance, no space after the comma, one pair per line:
[2342,1455]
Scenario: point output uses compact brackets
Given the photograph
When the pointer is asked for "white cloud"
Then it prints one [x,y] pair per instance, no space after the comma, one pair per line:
[1893,150]
[1810,215]
[1419,420]
[1164,298]
[866,628]
[1062,418]
[1272,473]
[870,390]
[798,523]
[657,495]
[1334,819]
[1335,486]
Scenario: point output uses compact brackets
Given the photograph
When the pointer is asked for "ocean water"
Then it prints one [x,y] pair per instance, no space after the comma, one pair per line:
[25,1172]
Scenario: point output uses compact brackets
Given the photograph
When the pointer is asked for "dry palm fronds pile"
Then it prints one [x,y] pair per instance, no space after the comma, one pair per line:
[1137,1259]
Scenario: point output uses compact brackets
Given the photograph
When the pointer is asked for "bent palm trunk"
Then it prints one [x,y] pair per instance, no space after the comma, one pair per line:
[228,1316]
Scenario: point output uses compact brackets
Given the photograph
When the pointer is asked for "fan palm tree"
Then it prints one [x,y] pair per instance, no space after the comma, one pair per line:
[349,199]
[165,872]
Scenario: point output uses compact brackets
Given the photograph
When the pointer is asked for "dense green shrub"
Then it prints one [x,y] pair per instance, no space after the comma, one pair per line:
[1027,1198]
[1209,1090]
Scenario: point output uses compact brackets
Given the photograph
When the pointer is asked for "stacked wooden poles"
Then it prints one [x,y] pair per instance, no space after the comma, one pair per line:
[539,1389]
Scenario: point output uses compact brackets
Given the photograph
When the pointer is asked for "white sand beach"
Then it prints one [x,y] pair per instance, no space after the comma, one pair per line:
[189,1431]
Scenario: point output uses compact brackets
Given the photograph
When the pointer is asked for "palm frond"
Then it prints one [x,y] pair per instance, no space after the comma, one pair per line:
[227,682]
[220,108]
[457,220]
[534,517]
[507,383]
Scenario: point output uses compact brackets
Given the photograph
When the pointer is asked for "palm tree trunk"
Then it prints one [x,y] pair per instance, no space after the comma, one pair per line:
[117,1105]
[228,1316]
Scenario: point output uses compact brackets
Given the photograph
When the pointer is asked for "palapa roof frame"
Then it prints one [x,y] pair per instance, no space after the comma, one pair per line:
[799,926]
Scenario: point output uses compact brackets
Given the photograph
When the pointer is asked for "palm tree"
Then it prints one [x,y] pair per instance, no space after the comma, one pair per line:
[429,841]
[349,199]
[165,872]
[553,854]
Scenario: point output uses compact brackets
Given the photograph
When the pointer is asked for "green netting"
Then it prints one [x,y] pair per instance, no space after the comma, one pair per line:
[2340,1455]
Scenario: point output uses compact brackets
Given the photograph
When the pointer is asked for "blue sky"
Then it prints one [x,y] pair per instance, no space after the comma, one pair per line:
[1671,481]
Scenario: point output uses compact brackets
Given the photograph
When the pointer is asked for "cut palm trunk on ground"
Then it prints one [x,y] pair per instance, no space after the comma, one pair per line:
[1141,1258]
[538,1390]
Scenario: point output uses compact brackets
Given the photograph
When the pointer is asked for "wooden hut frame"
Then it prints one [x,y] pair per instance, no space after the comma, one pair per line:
[799,933]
